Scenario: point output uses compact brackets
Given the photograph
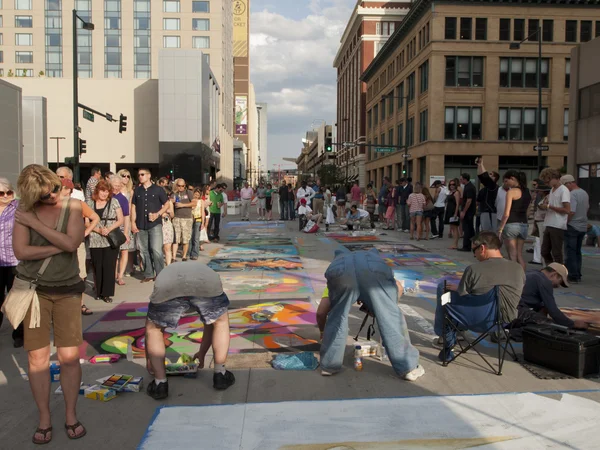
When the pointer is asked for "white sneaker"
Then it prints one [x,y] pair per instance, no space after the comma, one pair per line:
[417,372]
[325,373]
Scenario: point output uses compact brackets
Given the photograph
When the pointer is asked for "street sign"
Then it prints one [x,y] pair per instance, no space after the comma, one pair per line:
[385,149]
[543,148]
[348,144]
[407,155]
[88,115]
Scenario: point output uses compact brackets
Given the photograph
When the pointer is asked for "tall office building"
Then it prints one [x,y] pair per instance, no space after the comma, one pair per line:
[118,66]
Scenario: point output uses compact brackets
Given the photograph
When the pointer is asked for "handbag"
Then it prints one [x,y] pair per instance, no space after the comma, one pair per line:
[23,294]
[203,235]
[116,237]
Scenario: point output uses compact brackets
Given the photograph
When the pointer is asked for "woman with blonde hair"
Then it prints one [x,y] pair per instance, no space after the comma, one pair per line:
[125,268]
[47,227]
[8,261]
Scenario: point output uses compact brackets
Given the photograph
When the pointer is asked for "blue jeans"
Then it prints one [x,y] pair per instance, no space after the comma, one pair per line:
[365,276]
[151,243]
[194,248]
[283,206]
[573,243]
[291,209]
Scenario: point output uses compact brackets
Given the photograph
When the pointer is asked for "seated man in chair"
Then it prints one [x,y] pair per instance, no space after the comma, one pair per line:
[491,271]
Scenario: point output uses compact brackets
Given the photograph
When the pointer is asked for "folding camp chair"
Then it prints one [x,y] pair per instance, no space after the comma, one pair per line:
[478,313]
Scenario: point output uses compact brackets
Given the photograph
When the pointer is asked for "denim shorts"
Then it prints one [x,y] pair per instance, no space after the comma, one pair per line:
[167,314]
[416,213]
[515,231]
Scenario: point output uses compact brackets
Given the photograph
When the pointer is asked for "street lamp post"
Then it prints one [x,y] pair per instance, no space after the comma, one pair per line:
[58,139]
[405,100]
[86,26]
[538,125]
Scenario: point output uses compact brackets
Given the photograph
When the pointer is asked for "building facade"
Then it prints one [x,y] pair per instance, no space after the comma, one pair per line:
[448,87]
[584,125]
[371,24]
[36,45]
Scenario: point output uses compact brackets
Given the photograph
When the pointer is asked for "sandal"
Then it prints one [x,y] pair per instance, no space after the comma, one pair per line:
[85,311]
[120,282]
[107,300]
[44,432]
[73,428]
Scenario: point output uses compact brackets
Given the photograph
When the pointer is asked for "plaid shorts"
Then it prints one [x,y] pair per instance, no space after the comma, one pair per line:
[167,314]
[183,230]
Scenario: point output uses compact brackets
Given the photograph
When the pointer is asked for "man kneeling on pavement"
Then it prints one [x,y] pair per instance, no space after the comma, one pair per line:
[365,277]
[178,289]
[490,271]
[537,300]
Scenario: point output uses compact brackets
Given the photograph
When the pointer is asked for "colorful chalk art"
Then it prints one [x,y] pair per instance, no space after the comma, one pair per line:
[239,264]
[266,283]
[276,326]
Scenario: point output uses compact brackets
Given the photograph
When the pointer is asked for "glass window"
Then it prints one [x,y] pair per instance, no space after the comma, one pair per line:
[171,42]
[22,4]
[141,23]
[450,28]
[23,22]
[505,29]
[51,5]
[464,71]
[54,22]
[142,41]
[424,77]
[171,6]
[400,95]
[171,24]
[201,42]
[376,114]
[112,23]
[369,119]
[24,72]
[1,56]
[142,59]
[391,103]
[519,124]
[112,5]
[548,30]
[382,109]
[23,39]
[201,24]
[522,72]
[410,132]
[532,27]
[462,123]
[423,126]
[568,73]
[519,30]
[566,125]
[481,29]
[400,134]
[24,57]
[391,137]
[141,6]
[411,87]
[53,40]
[112,58]
[200,7]
[571,31]
[112,40]
[1,22]
[586,31]
[54,58]
[466,28]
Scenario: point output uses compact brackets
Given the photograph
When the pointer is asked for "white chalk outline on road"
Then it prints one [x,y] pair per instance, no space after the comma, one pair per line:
[507,421]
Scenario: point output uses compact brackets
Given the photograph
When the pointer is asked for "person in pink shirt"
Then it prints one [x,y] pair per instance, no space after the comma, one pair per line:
[416,202]
[355,192]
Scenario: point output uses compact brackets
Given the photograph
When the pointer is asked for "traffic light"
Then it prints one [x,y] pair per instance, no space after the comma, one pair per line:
[122,123]
[328,145]
[82,146]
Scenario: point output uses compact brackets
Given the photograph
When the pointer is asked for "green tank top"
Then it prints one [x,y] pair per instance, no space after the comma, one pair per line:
[63,269]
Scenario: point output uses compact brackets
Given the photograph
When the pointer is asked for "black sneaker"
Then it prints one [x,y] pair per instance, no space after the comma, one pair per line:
[223,381]
[158,391]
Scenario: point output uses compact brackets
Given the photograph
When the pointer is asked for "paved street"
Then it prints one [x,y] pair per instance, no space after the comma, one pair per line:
[273,311]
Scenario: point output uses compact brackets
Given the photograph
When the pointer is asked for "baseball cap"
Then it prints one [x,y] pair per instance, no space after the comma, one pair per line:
[67,183]
[567,179]
[562,271]
[303,201]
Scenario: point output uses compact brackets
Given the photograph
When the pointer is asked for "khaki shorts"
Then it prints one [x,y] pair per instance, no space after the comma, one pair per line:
[183,230]
[64,312]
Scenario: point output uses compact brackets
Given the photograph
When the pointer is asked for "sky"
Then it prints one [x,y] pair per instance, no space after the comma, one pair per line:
[292,47]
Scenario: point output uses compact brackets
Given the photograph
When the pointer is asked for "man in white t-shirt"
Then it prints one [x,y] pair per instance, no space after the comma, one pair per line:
[440,192]
[246,193]
[557,215]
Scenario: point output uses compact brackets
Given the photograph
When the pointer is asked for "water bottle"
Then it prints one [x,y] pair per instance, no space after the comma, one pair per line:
[129,351]
[358,363]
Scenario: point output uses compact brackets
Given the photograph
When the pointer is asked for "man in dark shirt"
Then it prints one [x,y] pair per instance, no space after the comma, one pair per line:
[404,191]
[537,300]
[149,203]
[382,196]
[467,213]
[283,202]
[487,197]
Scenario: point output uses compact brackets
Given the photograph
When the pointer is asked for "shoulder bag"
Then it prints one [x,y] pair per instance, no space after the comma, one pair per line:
[116,237]
[23,293]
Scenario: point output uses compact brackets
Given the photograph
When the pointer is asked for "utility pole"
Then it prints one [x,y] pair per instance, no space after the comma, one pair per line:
[58,138]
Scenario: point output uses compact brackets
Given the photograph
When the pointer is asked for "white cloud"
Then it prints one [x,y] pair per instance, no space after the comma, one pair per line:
[292,69]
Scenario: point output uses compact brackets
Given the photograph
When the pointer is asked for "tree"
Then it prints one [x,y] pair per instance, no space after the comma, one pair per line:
[330,175]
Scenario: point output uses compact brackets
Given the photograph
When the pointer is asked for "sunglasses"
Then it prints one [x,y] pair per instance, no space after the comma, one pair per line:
[54,190]
[477,248]
[142,174]
[62,177]
[126,176]
[7,193]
